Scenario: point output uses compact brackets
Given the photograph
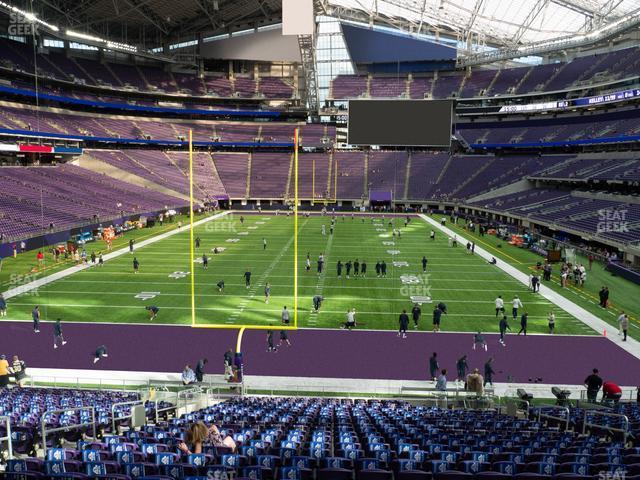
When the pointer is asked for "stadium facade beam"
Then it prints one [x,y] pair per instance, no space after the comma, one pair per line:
[623,24]
[308,56]
[537,9]
[148,14]
[472,20]
[204,6]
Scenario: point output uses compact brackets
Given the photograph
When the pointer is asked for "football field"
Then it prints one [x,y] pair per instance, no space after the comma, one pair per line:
[113,293]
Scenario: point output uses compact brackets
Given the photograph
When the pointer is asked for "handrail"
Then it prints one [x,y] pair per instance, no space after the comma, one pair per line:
[184,393]
[8,437]
[552,417]
[121,404]
[167,409]
[631,392]
[625,419]
[517,402]
[44,431]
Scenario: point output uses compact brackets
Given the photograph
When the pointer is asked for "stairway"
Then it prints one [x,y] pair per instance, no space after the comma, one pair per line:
[143,166]
[216,175]
[493,81]
[144,79]
[522,80]
[89,76]
[248,175]
[366,174]
[106,65]
[555,74]
[444,170]
[407,176]
[288,192]
[330,171]
[472,177]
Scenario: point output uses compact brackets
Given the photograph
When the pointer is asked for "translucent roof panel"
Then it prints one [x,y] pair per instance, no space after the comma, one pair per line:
[501,21]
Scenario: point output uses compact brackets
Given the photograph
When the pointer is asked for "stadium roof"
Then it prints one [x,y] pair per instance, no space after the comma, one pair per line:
[150,22]
[499,22]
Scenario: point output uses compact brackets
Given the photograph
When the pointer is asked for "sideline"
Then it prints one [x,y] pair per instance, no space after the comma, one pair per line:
[631,346]
[27,287]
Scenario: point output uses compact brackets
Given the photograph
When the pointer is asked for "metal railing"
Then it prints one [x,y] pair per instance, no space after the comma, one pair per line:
[549,416]
[625,420]
[123,417]
[187,395]
[627,394]
[8,438]
[519,404]
[157,410]
[44,430]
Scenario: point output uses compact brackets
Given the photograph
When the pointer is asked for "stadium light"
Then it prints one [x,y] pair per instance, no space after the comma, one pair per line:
[28,16]
[84,36]
[121,46]
[107,43]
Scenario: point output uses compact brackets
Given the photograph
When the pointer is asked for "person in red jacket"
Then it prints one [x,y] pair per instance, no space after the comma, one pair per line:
[611,392]
[40,258]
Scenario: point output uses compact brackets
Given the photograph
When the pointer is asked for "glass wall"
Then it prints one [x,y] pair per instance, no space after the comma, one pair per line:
[332,57]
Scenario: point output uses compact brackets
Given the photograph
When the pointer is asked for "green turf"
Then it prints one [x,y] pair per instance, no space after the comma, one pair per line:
[24,267]
[624,294]
[464,282]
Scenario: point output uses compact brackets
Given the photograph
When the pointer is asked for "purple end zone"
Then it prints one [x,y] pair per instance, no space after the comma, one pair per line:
[320,353]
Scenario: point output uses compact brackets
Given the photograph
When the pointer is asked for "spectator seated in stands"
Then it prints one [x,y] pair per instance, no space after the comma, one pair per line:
[475,382]
[198,434]
[188,375]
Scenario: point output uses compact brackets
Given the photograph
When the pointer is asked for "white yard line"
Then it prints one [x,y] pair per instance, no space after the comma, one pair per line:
[260,283]
[13,292]
[631,346]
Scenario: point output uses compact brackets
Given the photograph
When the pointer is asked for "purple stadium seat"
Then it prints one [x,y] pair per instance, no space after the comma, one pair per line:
[334,474]
[374,474]
[413,475]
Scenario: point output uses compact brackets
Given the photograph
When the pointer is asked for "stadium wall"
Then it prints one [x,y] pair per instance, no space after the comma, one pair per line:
[266,46]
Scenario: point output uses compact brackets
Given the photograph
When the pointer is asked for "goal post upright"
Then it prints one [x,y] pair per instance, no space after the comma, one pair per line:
[296,140]
[191,246]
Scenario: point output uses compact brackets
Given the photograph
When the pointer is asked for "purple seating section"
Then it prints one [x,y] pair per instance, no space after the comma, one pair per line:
[447,85]
[313,176]
[419,87]
[564,208]
[350,170]
[388,171]
[269,175]
[56,64]
[330,439]
[536,132]
[233,169]
[274,87]
[508,79]
[349,86]
[74,195]
[73,123]
[550,77]
[599,168]
[68,196]
[478,81]
[388,87]
[590,68]
[425,170]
